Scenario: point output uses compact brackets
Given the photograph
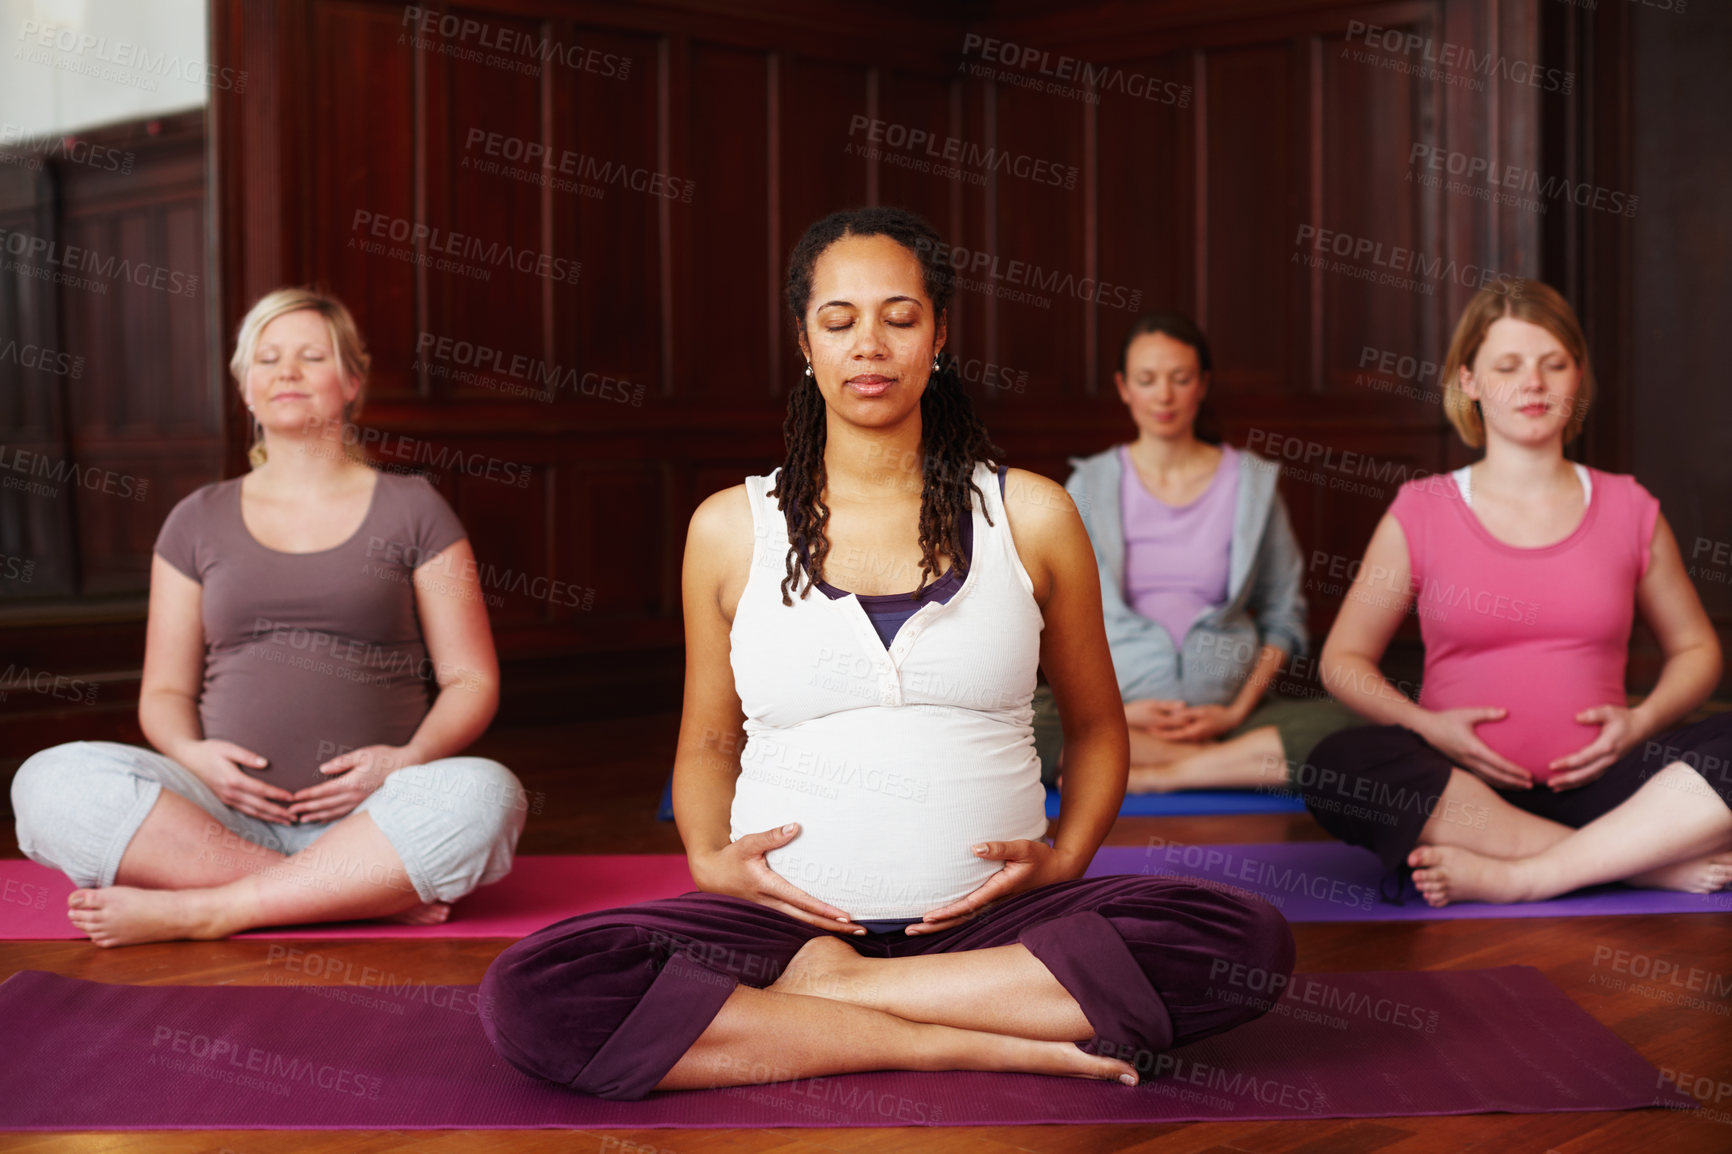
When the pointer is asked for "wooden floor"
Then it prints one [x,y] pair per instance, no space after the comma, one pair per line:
[600,782]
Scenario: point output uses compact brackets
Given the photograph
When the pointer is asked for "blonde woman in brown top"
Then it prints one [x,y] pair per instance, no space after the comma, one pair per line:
[299,616]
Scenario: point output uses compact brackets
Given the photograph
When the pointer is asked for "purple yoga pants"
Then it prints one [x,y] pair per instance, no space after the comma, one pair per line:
[606,1003]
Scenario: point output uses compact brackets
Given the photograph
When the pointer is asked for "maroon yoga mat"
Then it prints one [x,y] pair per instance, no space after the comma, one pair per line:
[87,1056]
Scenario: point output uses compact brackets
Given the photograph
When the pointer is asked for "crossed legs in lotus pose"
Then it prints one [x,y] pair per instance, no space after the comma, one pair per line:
[833,1011]
[170,886]
[1674,833]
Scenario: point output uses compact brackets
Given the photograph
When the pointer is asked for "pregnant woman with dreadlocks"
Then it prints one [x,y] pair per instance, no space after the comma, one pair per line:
[874,889]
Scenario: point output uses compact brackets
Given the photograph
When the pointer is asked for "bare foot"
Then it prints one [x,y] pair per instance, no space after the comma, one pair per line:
[1449,873]
[825,967]
[1703,875]
[127,915]
[1026,1056]
[425,914]
[828,967]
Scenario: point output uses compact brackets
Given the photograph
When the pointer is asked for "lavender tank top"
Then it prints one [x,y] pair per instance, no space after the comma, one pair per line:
[1176,555]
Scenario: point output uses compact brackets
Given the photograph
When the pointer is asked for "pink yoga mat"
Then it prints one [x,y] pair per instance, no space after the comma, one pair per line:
[538,892]
[87,1056]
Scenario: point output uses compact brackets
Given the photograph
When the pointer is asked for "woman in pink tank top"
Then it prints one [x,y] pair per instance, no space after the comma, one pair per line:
[1521,772]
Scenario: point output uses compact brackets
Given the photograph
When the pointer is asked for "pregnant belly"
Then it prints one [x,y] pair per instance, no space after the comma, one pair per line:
[867,881]
[1542,699]
[877,860]
[1533,742]
[299,716]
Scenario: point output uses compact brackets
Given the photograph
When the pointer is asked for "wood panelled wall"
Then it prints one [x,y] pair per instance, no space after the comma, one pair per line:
[105,397]
[109,412]
[563,227]
[1184,182]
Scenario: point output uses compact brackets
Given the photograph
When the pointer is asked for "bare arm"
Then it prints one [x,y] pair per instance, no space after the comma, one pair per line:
[1373,610]
[1055,549]
[1668,602]
[712,733]
[1670,606]
[173,661]
[707,758]
[1269,659]
[453,614]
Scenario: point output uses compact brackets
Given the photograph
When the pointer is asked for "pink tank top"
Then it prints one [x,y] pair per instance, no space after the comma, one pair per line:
[1543,633]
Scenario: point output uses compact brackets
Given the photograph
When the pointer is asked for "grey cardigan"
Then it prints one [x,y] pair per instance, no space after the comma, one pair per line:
[1265,603]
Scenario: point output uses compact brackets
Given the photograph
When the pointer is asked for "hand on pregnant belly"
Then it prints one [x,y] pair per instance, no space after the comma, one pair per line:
[216,763]
[362,771]
[739,870]
[1618,734]
[1027,865]
[1453,733]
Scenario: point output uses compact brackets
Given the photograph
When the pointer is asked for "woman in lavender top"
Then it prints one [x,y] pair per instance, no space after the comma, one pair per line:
[1200,581]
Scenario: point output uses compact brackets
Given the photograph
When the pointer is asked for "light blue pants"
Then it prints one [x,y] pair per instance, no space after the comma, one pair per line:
[453,822]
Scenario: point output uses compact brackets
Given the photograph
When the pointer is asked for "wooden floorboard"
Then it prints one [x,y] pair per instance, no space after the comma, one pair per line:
[594,788]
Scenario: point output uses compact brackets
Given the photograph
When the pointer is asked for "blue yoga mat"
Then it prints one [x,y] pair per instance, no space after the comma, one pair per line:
[1197,801]
[1182,804]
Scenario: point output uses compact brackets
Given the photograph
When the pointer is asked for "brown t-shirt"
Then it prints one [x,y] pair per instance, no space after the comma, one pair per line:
[308,655]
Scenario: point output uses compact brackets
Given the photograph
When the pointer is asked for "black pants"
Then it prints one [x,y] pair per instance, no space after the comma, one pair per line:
[1377,785]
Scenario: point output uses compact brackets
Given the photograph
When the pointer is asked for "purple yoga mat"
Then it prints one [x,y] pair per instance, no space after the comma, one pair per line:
[88,1056]
[1328,881]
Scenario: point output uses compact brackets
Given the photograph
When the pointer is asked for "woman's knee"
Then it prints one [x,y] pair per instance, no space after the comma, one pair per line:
[1207,950]
[497,802]
[539,989]
[40,783]
[1265,940]
[1245,931]
[454,822]
[553,1002]
[1705,747]
[67,802]
[1248,974]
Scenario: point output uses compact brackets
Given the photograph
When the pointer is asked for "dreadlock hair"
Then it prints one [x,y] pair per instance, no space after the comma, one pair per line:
[952,437]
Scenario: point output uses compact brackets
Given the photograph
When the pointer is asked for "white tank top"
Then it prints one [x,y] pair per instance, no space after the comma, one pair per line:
[893,762]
